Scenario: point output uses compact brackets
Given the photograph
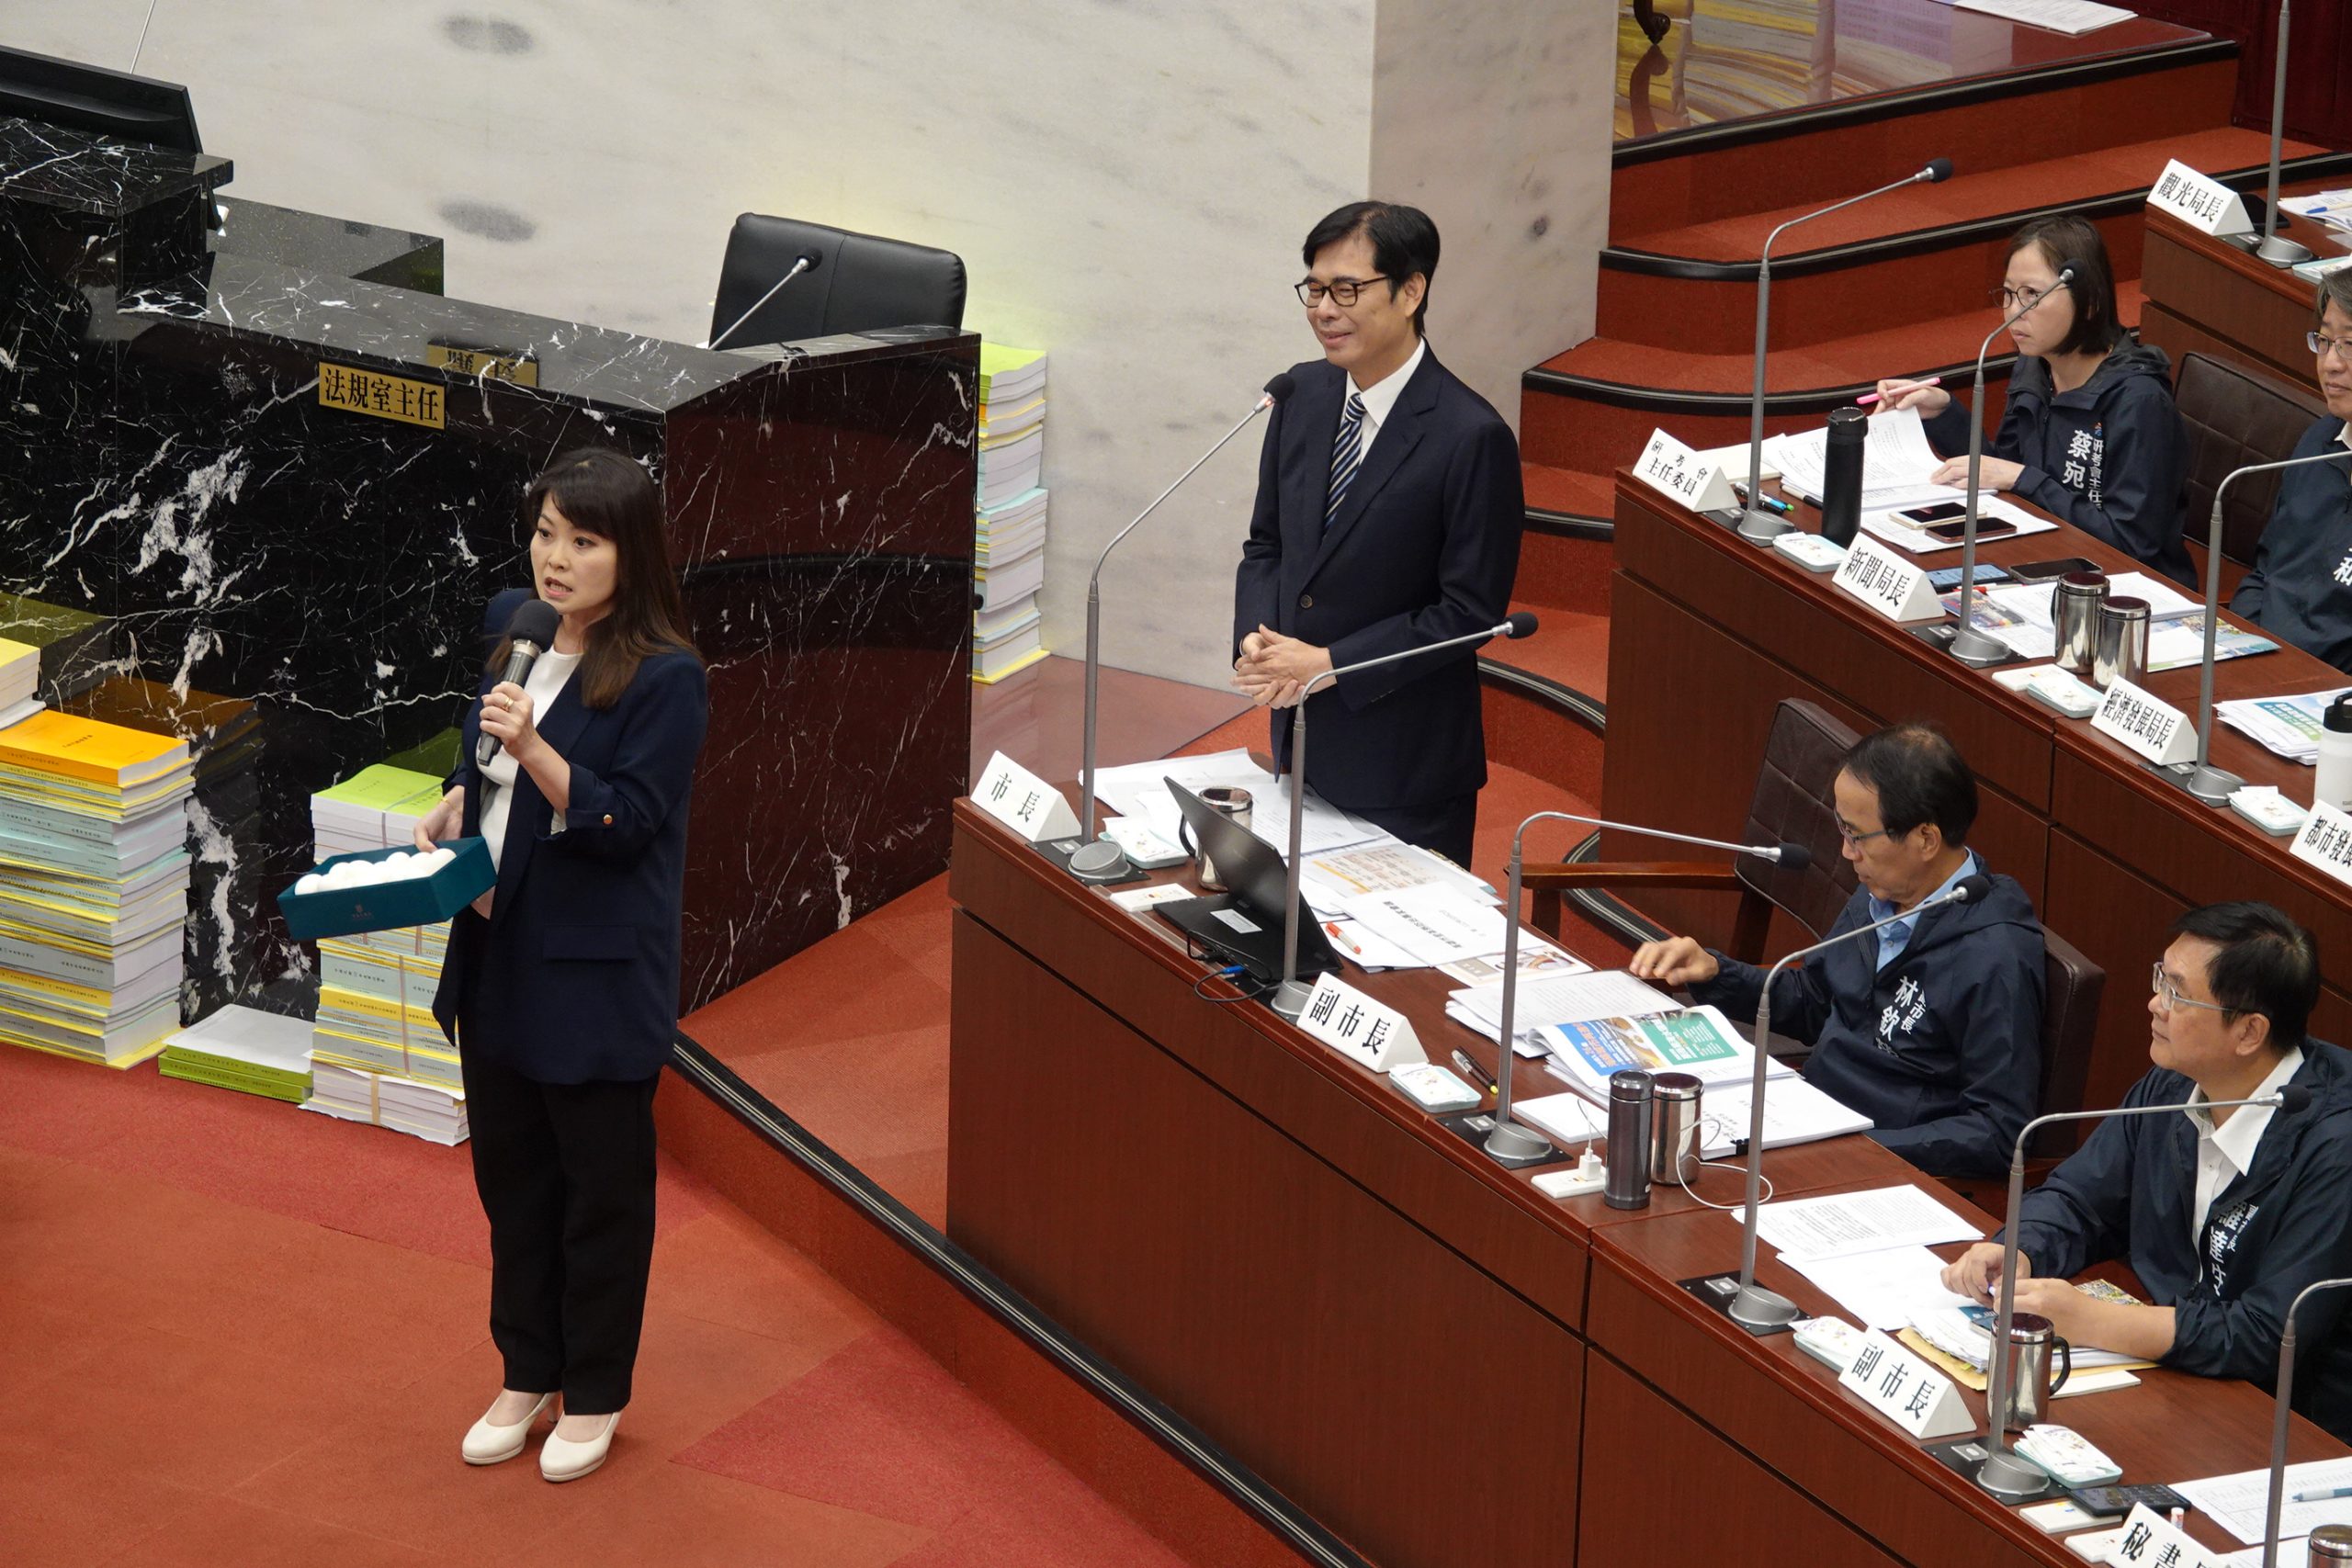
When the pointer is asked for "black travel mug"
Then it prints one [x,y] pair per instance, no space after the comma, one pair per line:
[1841,476]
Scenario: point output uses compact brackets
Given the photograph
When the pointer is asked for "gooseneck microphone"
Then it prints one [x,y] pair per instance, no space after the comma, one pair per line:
[1101,860]
[530,632]
[2208,783]
[1973,647]
[2279,1418]
[1510,1144]
[1751,1306]
[807,261]
[1290,997]
[2270,247]
[1758,524]
[2003,1473]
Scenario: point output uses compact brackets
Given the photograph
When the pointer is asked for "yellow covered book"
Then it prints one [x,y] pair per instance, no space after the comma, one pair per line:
[90,748]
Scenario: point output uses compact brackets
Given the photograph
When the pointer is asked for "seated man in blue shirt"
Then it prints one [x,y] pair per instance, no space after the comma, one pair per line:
[2301,588]
[2224,1214]
[1932,1028]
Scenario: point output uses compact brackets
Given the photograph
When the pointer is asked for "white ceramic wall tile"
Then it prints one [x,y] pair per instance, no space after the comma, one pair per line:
[1129,186]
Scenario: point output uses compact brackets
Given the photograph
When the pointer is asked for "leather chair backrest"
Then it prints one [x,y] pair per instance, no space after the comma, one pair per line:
[2073,986]
[2236,416]
[1793,805]
[861,283]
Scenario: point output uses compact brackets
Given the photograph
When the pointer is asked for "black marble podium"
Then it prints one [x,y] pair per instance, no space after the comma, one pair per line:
[288,486]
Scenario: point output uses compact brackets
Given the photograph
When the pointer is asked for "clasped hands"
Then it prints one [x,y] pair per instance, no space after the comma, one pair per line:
[1273,670]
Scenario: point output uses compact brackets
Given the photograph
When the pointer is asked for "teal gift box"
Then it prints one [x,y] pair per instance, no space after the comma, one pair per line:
[388,905]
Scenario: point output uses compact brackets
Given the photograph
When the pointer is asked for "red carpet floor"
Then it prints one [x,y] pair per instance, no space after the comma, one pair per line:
[234,1332]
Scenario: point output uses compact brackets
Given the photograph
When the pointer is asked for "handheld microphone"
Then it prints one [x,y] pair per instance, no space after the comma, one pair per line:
[2279,1418]
[1973,647]
[1290,997]
[1756,524]
[2003,1473]
[2208,783]
[1758,1310]
[1101,860]
[1515,1146]
[807,261]
[530,632]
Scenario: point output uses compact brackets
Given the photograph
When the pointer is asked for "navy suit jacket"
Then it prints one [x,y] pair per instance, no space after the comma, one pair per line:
[1424,548]
[577,964]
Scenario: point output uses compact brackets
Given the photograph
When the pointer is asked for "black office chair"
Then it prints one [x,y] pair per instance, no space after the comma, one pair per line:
[855,283]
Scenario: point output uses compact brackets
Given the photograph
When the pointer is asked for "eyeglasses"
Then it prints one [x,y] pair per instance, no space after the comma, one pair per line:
[2023,299]
[2170,995]
[2323,346]
[1342,290]
[1853,837]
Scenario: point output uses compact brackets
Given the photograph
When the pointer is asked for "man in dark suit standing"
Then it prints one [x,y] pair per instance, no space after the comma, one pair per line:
[1388,515]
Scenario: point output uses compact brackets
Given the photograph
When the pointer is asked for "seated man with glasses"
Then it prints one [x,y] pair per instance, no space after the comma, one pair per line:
[1388,517]
[2223,1214]
[1932,1028]
[2301,588]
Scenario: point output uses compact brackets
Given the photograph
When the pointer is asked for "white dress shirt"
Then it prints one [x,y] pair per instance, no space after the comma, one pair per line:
[1379,397]
[2226,1153]
[548,677]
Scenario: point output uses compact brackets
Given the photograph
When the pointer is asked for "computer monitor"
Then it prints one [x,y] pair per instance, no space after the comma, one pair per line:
[1244,924]
[110,103]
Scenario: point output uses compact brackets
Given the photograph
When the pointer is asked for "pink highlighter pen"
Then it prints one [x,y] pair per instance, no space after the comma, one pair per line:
[1867,399]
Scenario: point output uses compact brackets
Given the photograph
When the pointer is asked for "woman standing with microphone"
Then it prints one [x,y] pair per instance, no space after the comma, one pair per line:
[562,984]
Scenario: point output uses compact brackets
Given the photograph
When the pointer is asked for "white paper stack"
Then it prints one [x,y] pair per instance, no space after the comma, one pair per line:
[2286,726]
[1896,462]
[19,681]
[1009,546]
[381,1099]
[244,1049]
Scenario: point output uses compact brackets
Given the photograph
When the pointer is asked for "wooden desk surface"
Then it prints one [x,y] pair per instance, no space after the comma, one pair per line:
[2209,296]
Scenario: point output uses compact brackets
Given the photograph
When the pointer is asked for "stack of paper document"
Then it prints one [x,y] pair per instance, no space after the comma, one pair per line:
[1009,559]
[1139,789]
[94,876]
[227,946]
[2333,208]
[2072,17]
[2286,726]
[421,1109]
[244,1049]
[1896,462]
[375,1014]
[1568,999]
[19,682]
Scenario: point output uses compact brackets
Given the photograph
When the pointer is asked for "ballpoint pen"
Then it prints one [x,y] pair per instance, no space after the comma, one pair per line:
[1867,399]
[1477,1075]
[2324,1494]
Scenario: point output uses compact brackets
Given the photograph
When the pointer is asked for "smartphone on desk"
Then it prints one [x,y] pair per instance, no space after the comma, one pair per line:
[1942,511]
[1986,528]
[2110,1501]
[2051,571]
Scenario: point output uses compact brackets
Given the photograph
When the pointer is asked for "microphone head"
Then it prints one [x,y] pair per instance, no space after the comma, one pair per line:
[1519,623]
[1973,889]
[1792,857]
[811,261]
[534,621]
[1282,386]
[1938,171]
[2294,1097]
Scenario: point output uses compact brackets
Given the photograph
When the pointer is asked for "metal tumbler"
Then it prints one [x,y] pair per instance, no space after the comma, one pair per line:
[1234,802]
[1625,1182]
[2329,1543]
[1674,1127]
[2120,652]
[2034,1341]
[2074,618]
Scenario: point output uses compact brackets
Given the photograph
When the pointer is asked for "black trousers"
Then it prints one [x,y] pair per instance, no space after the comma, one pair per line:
[1446,828]
[566,1174]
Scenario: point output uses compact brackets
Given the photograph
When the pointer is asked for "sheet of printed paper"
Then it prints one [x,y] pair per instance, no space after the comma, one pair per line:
[1794,1112]
[1565,999]
[2238,1502]
[1882,1289]
[1538,960]
[1436,924]
[1366,948]
[1385,864]
[1138,789]
[1896,457]
[1698,1041]
[1843,1222]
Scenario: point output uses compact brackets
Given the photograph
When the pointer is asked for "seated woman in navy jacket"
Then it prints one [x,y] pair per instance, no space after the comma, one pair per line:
[562,983]
[2090,434]
[2224,1214]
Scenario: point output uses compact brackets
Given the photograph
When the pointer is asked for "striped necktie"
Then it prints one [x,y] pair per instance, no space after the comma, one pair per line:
[1347,454]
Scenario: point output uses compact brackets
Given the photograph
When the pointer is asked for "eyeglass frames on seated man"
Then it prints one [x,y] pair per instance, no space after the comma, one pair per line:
[1342,290]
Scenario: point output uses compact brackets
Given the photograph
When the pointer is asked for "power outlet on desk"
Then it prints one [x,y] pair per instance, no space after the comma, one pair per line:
[1472,1128]
[1966,1456]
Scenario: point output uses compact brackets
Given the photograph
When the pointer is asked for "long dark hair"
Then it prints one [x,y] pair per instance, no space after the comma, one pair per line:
[609,494]
[2068,241]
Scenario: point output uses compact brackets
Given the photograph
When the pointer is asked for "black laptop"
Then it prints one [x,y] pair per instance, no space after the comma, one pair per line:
[1244,925]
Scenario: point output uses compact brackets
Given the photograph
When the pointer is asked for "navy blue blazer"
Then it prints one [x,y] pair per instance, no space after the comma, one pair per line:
[1424,548]
[578,961]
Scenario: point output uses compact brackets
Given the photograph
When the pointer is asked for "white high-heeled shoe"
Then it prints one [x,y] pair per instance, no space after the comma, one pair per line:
[562,1460]
[487,1444]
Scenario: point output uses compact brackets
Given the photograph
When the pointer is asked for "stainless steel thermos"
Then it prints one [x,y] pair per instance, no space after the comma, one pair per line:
[1674,1127]
[1626,1183]
[2074,618]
